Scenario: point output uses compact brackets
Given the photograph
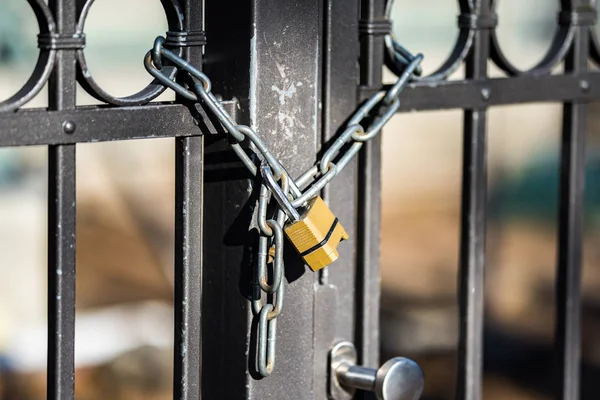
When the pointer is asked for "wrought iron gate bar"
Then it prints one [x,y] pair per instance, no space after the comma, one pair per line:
[471,262]
[189,211]
[570,228]
[482,93]
[369,204]
[61,272]
[337,289]
[61,219]
[40,126]
[98,124]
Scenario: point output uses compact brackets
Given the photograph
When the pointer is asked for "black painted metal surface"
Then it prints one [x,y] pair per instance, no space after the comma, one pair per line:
[291,68]
[568,274]
[61,221]
[189,209]
[273,50]
[100,124]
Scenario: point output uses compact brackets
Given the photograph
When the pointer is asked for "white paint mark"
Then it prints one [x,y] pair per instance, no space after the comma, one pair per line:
[284,118]
[287,122]
[283,93]
[281,69]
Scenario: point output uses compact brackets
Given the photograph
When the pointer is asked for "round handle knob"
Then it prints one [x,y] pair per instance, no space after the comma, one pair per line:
[399,379]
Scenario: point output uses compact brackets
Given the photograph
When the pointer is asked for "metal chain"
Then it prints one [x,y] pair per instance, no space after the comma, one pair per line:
[270,250]
[267,298]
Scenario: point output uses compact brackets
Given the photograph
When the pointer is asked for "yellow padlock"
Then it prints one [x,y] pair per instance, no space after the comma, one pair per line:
[316,235]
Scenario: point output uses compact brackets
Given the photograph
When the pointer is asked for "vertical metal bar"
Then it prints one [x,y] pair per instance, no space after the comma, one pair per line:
[336,292]
[269,54]
[188,267]
[189,182]
[369,237]
[369,201]
[61,222]
[224,309]
[371,46]
[568,277]
[286,58]
[473,228]
[61,272]
[472,256]
[572,180]
[339,93]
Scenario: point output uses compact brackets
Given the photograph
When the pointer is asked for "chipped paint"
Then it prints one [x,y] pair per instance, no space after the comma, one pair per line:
[287,122]
[281,69]
[285,93]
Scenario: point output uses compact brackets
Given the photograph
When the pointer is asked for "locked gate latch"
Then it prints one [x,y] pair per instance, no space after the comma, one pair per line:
[397,379]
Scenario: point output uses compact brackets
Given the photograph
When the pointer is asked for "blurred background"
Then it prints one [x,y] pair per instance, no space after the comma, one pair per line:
[125,222]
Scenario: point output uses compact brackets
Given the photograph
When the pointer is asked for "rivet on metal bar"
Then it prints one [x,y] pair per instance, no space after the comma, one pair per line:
[55,41]
[378,27]
[582,16]
[476,22]
[185,38]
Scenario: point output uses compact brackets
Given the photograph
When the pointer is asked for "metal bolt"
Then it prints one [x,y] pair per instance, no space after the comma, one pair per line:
[69,127]
[486,93]
[584,85]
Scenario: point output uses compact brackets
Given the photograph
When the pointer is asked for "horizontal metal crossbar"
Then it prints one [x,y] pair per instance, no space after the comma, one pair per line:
[98,124]
[483,93]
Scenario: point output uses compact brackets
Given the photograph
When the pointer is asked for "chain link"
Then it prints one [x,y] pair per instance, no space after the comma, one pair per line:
[365,124]
[270,250]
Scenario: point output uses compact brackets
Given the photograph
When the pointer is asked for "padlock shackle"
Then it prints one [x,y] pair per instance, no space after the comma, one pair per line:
[282,200]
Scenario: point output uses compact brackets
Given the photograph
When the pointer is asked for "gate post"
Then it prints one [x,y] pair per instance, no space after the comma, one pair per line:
[293,67]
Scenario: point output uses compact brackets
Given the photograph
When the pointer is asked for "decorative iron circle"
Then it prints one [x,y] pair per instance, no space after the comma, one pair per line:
[44,64]
[561,43]
[154,89]
[458,54]
[594,47]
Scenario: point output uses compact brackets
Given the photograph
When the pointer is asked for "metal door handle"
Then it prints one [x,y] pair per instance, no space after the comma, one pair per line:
[397,379]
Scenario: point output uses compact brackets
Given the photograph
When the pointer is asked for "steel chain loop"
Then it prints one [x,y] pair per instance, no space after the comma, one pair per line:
[270,237]
[365,124]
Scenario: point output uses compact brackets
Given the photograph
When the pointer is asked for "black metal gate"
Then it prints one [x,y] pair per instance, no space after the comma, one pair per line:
[257,49]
